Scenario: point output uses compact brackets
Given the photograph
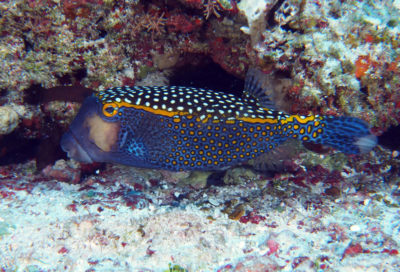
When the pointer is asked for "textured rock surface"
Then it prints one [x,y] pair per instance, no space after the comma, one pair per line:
[8,120]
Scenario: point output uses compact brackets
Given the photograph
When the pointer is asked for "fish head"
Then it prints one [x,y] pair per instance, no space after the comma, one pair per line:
[93,134]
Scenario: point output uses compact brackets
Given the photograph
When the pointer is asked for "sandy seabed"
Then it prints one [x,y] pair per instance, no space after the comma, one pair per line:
[115,224]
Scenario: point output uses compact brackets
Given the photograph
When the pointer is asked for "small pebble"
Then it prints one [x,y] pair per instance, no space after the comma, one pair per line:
[213,202]
[355,228]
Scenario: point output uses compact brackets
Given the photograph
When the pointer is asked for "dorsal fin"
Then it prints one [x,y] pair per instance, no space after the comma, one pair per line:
[253,89]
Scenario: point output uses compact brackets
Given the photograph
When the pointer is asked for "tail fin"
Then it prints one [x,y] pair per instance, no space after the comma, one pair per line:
[347,134]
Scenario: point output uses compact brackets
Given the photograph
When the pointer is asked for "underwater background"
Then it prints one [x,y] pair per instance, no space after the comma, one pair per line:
[299,207]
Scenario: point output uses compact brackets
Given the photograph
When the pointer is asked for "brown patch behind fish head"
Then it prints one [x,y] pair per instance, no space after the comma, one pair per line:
[102,133]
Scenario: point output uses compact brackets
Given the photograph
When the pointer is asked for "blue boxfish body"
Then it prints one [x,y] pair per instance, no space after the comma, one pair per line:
[186,128]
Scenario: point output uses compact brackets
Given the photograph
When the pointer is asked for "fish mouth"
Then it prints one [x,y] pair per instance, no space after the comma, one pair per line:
[74,150]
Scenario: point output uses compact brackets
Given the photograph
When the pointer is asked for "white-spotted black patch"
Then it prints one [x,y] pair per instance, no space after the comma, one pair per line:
[188,99]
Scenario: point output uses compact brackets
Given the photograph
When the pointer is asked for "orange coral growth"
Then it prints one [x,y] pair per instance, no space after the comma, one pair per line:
[362,65]
[369,38]
[392,67]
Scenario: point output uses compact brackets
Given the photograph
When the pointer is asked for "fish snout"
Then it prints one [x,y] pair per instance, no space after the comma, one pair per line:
[74,150]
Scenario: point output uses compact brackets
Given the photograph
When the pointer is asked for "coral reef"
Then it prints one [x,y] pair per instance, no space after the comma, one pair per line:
[300,210]
[337,58]
[342,57]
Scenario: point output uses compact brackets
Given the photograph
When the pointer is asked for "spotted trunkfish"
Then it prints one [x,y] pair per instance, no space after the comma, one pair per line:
[186,128]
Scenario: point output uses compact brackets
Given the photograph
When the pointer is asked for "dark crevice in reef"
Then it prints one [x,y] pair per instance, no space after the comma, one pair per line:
[15,149]
[207,75]
[49,150]
[75,76]
[391,138]
[216,179]
[70,89]
[271,14]
[36,94]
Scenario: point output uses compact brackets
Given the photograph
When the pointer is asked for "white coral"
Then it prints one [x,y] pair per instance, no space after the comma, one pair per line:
[8,120]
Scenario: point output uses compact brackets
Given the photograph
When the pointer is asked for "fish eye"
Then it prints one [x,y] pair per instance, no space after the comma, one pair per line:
[110,109]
